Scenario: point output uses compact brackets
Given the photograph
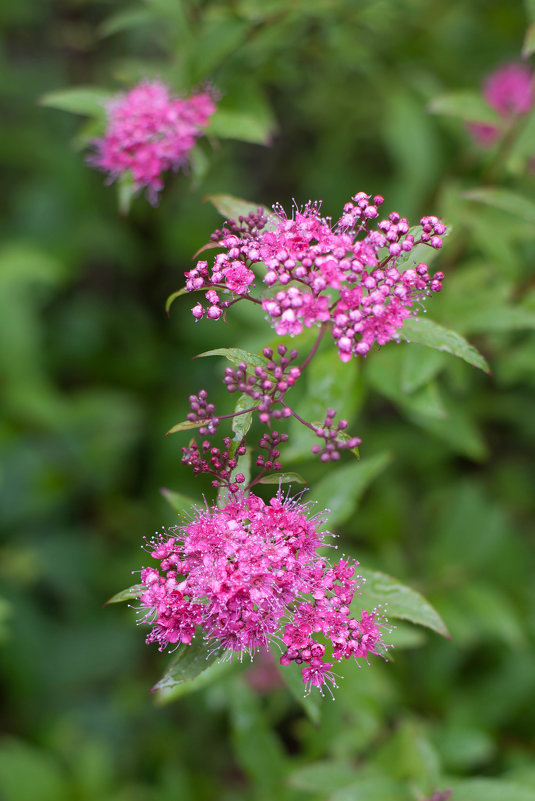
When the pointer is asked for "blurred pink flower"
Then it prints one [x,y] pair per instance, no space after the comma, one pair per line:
[149,132]
[509,90]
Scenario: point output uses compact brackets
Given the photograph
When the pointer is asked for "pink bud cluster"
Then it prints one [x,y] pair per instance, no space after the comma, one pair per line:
[510,91]
[250,573]
[150,132]
[358,274]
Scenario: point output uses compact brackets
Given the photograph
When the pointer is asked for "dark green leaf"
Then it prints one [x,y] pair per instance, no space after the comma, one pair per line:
[194,666]
[131,593]
[170,300]
[466,105]
[398,601]
[291,675]
[342,488]
[423,331]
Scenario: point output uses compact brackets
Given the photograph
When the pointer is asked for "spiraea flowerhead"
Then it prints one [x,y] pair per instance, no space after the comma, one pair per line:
[510,91]
[149,132]
[250,573]
[359,275]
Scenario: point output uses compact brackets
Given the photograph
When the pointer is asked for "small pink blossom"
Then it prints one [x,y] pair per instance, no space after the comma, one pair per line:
[150,132]
[250,573]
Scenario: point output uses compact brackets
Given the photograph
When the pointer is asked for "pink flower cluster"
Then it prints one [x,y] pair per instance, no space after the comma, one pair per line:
[357,274]
[510,91]
[149,132]
[249,573]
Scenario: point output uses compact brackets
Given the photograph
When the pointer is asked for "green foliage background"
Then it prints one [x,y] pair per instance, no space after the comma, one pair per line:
[328,98]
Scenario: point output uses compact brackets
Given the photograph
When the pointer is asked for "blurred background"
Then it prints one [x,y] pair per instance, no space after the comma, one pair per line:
[328,98]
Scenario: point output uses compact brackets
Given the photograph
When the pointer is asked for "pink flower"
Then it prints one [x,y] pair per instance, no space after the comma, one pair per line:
[250,573]
[509,90]
[485,135]
[356,273]
[150,132]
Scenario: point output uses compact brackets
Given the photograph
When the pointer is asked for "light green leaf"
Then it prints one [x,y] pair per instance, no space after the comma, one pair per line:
[282,478]
[398,600]
[528,48]
[236,356]
[376,788]
[87,100]
[180,503]
[244,115]
[126,192]
[130,594]
[466,105]
[291,675]
[233,207]
[125,20]
[503,199]
[186,425]
[323,777]
[490,790]
[194,666]
[242,423]
[423,331]
[342,488]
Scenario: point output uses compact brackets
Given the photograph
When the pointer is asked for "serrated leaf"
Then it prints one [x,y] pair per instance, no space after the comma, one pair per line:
[503,199]
[282,478]
[231,208]
[423,331]
[180,503]
[399,600]
[236,356]
[171,299]
[465,105]
[87,100]
[193,667]
[343,487]
[187,425]
[130,594]
[528,48]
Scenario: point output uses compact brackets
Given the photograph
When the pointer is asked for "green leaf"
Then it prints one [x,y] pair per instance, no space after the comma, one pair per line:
[503,199]
[373,788]
[244,115]
[342,488]
[419,366]
[323,777]
[87,100]
[125,20]
[130,594]
[171,299]
[242,423]
[126,192]
[399,601]
[282,478]
[423,331]
[186,425]
[466,105]
[528,48]
[291,675]
[193,667]
[236,356]
[231,208]
[180,503]
[490,790]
